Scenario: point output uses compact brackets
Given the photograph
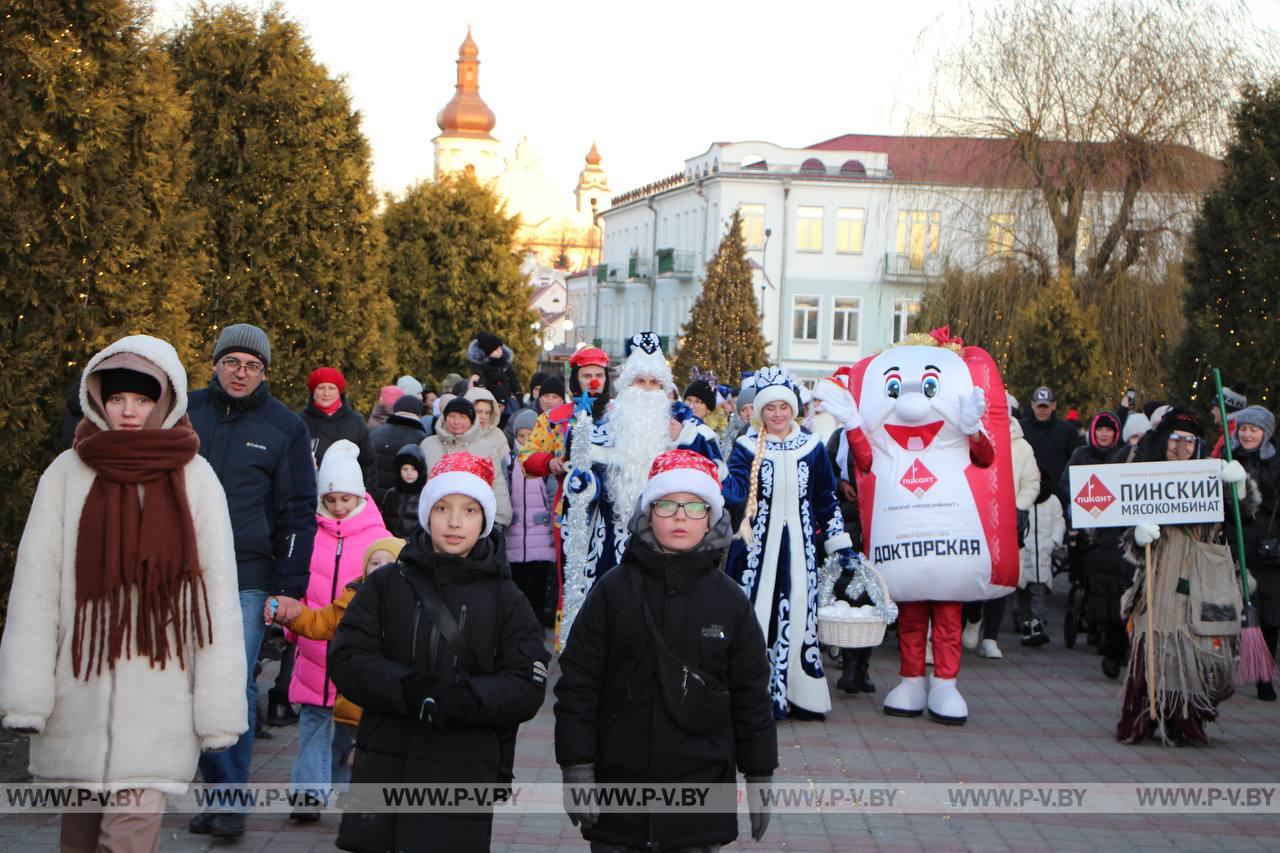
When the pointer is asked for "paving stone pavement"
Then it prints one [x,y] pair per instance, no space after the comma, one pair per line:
[1041,716]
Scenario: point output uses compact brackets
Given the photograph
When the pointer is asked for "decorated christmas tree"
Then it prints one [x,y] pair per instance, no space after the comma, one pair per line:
[1233,269]
[723,334]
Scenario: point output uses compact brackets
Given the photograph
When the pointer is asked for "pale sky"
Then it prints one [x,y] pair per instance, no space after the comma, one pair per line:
[652,83]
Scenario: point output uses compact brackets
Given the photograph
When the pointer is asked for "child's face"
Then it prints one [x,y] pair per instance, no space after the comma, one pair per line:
[679,532]
[455,524]
[522,436]
[408,473]
[484,412]
[340,504]
[380,558]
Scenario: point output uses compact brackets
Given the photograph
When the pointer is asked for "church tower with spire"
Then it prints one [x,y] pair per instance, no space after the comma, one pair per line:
[465,143]
[593,185]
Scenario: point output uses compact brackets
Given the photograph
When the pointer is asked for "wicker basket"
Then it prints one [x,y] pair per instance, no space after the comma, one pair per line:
[856,635]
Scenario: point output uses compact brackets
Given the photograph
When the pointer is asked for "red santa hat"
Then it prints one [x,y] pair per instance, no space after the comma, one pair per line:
[684,471]
[332,375]
[460,474]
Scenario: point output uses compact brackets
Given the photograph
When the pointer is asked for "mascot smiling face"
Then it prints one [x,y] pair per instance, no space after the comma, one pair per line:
[938,526]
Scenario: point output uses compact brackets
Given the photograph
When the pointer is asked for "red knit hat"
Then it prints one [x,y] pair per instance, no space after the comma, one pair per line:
[684,471]
[460,474]
[332,375]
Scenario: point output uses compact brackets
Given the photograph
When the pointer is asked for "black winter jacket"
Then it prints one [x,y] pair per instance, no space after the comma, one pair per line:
[386,635]
[1260,524]
[400,429]
[261,453]
[346,423]
[608,709]
[1052,441]
[496,374]
[399,505]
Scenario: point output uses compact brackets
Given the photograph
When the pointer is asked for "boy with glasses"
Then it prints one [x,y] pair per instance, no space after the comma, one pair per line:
[613,724]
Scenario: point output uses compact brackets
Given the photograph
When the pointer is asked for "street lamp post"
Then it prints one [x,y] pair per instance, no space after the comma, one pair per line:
[764,269]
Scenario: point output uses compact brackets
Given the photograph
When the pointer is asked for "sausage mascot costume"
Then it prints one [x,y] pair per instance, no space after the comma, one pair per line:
[928,433]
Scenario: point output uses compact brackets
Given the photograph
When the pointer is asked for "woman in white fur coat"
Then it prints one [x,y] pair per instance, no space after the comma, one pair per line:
[122,655]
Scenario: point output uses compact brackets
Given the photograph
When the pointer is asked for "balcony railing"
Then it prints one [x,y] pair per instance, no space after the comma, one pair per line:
[679,264]
[914,268]
[638,266]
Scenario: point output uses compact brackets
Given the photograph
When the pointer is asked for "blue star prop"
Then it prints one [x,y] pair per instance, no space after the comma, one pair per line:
[582,403]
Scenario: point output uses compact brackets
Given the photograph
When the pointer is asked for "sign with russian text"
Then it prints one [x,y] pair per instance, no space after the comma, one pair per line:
[1123,495]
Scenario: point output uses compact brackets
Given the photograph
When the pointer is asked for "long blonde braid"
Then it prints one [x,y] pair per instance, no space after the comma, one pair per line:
[744,529]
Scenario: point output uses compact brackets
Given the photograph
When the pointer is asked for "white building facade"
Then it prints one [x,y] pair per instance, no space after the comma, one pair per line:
[845,237]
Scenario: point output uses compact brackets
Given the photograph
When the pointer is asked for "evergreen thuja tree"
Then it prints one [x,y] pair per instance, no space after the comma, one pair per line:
[282,175]
[94,232]
[1055,342]
[1233,269]
[453,273]
[723,332]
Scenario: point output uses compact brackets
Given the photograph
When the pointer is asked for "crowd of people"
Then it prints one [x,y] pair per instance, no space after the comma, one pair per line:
[416,559]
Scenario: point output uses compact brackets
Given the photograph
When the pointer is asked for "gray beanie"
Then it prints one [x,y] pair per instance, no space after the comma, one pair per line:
[524,419]
[409,385]
[243,337]
[1263,420]
[746,397]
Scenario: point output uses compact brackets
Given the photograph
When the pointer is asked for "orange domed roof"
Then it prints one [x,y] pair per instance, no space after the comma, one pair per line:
[593,156]
[467,114]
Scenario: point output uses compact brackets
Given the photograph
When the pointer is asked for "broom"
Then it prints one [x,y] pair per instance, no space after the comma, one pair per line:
[1256,663]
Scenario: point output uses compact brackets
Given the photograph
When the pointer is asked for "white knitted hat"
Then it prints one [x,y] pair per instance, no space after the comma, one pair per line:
[340,470]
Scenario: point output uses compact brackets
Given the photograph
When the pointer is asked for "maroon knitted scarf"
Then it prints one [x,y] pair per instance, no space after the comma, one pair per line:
[137,564]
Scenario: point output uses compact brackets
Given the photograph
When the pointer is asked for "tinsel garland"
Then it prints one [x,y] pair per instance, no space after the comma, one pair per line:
[862,581]
[576,528]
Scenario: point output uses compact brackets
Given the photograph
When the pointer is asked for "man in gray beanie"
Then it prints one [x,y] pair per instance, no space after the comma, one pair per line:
[261,453]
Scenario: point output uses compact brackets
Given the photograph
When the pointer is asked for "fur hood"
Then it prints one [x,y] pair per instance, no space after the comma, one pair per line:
[136,352]
[479,358]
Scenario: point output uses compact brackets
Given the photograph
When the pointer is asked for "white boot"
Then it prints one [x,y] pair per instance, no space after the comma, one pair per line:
[972,631]
[907,699]
[946,705]
[990,649]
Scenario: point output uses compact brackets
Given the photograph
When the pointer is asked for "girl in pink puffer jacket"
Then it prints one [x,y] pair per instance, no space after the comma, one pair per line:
[347,523]
[531,546]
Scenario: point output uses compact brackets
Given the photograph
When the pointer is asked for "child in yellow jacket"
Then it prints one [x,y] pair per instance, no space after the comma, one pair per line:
[322,623]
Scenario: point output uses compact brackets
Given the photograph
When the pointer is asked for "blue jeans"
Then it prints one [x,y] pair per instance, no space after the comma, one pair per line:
[323,749]
[231,766]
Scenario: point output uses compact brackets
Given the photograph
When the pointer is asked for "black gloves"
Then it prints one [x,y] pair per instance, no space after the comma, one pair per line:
[579,795]
[433,703]
[418,691]
[758,805]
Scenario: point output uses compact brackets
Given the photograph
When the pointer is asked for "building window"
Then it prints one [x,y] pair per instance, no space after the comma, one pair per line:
[752,225]
[904,313]
[919,234]
[1084,236]
[804,319]
[850,222]
[846,319]
[809,233]
[999,234]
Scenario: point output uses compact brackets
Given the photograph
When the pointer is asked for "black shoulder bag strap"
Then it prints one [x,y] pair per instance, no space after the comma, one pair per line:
[442,619]
[660,644]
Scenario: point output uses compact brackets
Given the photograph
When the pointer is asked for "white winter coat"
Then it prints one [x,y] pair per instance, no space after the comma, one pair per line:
[136,726]
[1048,527]
[1026,474]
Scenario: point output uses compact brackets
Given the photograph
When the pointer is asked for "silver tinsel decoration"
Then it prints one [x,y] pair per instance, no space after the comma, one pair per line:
[576,528]
[862,581]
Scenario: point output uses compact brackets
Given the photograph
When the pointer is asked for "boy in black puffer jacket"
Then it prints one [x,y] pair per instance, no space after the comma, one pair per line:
[613,724]
[403,426]
[442,694]
[399,506]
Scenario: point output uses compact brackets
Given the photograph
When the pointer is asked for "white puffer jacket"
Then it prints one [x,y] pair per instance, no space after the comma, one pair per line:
[1048,528]
[136,726]
[1026,474]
